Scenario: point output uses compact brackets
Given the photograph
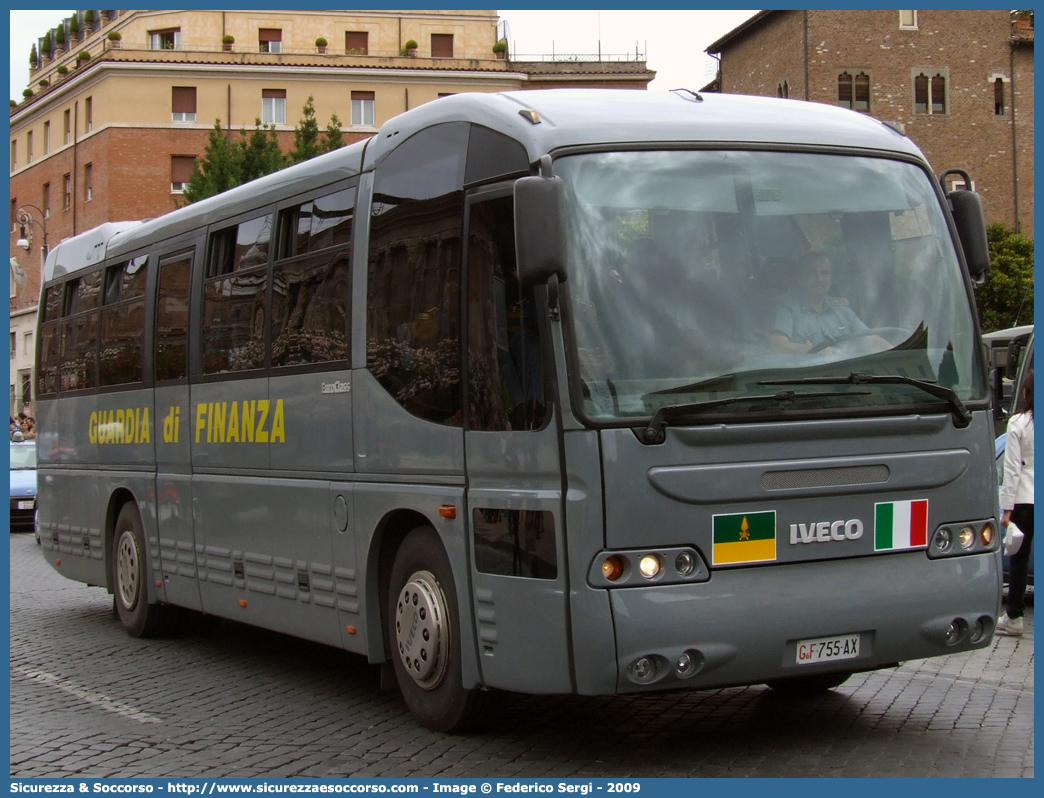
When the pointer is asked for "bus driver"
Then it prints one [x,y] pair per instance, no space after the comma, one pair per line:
[808,319]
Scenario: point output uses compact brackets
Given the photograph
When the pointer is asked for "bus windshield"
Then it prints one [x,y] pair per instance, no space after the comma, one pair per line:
[755,282]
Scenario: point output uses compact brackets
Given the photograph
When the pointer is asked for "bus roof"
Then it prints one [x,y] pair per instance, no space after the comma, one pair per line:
[543,121]
[569,117]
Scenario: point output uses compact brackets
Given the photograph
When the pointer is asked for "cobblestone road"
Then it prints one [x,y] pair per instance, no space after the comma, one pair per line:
[87,700]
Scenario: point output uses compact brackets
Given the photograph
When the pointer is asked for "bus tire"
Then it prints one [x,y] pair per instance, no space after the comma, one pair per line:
[809,685]
[129,575]
[424,630]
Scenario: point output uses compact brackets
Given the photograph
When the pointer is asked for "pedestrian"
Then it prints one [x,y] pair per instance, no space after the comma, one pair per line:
[1017,504]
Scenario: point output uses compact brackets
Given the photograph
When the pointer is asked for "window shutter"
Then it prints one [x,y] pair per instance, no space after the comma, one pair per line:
[270,35]
[442,45]
[273,94]
[183,99]
[363,95]
[357,42]
[181,168]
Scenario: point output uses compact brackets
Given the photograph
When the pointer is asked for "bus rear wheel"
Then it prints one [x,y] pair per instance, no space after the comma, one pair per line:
[808,685]
[424,628]
[129,572]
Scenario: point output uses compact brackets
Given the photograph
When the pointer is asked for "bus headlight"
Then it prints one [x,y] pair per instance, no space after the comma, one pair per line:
[685,564]
[650,566]
[943,540]
[966,537]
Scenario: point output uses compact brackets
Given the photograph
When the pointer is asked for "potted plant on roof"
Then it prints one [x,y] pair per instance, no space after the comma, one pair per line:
[1024,20]
[114,39]
[34,59]
[500,49]
[83,58]
[59,38]
[88,21]
[62,71]
[410,48]
[320,45]
[74,29]
[227,41]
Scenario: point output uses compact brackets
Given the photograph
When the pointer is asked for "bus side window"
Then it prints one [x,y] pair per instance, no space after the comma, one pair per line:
[310,281]
[79,346]
[234,297]
[47,370]
[505,369]
[413,302]
[172,303]
[123,323]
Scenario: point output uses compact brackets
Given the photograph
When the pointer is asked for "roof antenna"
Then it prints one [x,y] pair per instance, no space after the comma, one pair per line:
[695,97]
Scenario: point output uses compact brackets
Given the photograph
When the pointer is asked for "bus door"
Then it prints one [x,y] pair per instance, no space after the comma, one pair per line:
[514,475]
[171,414]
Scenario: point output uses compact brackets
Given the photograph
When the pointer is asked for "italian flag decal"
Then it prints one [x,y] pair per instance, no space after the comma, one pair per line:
[744,537]
[901,525]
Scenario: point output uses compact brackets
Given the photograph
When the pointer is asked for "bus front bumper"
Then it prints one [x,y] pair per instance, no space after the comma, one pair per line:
[757,624]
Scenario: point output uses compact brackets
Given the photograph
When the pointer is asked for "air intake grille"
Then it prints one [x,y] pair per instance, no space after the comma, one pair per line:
[824,477]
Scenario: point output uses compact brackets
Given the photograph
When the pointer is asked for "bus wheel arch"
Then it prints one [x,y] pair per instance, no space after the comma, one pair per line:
[117,501]
[129,572]
[422,620]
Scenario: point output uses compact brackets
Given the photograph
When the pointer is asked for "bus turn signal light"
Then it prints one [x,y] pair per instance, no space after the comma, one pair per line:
[613,567]
[986,534]
[448,511]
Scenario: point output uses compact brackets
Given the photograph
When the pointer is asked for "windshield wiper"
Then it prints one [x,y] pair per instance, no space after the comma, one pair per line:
[654,433]
[962,416]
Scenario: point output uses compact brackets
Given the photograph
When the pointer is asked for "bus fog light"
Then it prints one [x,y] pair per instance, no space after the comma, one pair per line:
[943,541]
[956,632]
[685,666]
[685,564]
[613,567]
[987,533]
[650,566]
[643,670]
[966,537]
[978,630]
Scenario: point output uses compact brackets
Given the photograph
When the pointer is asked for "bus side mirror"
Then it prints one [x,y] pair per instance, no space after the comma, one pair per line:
[970,221]
[539,230]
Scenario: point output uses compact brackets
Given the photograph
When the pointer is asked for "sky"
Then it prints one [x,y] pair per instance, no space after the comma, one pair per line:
[672,41]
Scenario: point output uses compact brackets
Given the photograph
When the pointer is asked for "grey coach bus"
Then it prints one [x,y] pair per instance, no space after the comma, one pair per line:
[551,392]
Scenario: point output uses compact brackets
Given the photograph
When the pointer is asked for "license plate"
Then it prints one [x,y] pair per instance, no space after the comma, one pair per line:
[827,649]
[26,505]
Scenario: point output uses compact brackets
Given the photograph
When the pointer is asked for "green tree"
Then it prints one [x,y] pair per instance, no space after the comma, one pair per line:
[215,170]
[1006,298]
[259,154]
[333,138]
[306,136]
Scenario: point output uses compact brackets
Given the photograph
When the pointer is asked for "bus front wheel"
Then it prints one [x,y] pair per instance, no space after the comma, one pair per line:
[424,628]
[129,572]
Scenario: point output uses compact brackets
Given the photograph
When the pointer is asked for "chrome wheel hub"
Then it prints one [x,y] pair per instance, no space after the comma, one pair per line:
[127,570]
[422,630]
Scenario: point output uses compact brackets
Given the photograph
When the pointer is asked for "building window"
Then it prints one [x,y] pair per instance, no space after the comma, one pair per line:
[88,114]
[14,214]
[29,147]
[88,182]
[854,92]
[270,40]
[14,154]
[930,94]
[180,172]
[357,42]
[67,191]
[12,346]
[47,137]
[363,108]
[998,96]
[67,121]
[442,45]
[183,104]
[46,202]
[273,106]
[908,20]
[783,90]
[169,39]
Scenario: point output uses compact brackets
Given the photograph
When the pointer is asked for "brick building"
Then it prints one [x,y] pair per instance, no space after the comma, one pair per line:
[959,82]
[119,112]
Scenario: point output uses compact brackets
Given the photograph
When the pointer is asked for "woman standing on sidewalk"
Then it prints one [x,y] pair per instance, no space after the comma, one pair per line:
[1017,503]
